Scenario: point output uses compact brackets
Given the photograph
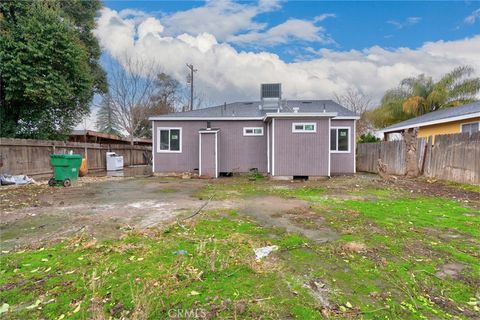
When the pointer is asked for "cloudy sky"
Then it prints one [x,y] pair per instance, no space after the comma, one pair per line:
[313,48]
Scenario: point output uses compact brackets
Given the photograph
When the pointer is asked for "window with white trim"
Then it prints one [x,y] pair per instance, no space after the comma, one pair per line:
[471,127]
[253,131]
[169,140]
[310,127]
[340,140]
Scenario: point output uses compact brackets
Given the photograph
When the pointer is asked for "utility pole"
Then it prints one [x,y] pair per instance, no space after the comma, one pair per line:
[192,70]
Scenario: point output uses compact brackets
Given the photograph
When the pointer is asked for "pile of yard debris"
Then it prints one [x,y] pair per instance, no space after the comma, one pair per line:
[7,180]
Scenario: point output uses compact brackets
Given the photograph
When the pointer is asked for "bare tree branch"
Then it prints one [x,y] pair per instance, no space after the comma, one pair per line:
[358,102]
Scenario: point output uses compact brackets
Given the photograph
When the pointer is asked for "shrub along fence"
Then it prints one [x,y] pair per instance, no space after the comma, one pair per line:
[454,157]
[31,157]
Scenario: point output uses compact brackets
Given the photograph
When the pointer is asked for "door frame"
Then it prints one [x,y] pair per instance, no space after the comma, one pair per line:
[212,131]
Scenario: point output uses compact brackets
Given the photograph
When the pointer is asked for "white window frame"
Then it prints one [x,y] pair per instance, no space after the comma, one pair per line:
[473,122]
[294,130]
[159,129]
[349,141]
[246,134]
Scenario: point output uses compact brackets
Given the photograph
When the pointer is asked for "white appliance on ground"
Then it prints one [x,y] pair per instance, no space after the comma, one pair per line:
[114,161]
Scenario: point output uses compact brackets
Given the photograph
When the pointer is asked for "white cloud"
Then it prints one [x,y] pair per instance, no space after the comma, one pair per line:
[324,16]
[410,21]
[226,74]
[292,29]
[234,22]
[221,18]
[150,26]
[473,17]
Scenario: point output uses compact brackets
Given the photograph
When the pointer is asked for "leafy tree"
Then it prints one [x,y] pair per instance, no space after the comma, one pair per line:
[367,138]
[419,95]
[48,66]
[82,13]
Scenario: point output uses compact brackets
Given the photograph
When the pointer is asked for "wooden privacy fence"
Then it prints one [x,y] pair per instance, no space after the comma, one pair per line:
[454,157]
[31,157]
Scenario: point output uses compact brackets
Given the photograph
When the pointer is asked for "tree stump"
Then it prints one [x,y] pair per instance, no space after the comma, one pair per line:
[410,138]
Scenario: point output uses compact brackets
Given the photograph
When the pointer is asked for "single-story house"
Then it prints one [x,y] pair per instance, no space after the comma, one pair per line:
[464,118]
[281,138]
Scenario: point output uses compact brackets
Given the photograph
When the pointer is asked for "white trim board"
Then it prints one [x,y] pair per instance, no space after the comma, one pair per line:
[245,134]
[355,146]
[328,145]
[200,150]
[300,114]
[268,115]
[200,154]
[179,142]
[347,118]
[462,124]
[208,131]
[216,154]
[429,123]
[268,147]
[349,140]
[314,124]
[153,147]
[273,147]
[204,118]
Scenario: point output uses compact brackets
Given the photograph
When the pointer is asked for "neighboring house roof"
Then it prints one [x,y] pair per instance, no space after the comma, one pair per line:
[101,137]
[251,109]
[467,111]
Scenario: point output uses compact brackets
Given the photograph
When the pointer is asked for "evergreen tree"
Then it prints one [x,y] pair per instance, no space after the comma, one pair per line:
[48,67]
[106,121]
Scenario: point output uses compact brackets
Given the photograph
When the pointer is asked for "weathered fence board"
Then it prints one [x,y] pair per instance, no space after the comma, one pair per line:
[393,153]
[31,157]
[454,157]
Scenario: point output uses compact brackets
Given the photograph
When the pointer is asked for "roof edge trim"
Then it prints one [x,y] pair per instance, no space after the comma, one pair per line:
[432,122]
[346,118]
[203,118]
[300,114]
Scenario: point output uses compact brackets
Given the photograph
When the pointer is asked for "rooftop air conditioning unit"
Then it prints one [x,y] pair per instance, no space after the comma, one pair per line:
[271,95]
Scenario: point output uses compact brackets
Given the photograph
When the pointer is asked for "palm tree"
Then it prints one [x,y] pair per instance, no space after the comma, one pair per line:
[419,95]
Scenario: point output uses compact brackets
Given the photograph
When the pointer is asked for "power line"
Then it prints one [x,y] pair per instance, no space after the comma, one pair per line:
[192,70]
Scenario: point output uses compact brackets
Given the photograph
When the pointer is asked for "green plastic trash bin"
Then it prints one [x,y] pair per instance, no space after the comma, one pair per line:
[65,168]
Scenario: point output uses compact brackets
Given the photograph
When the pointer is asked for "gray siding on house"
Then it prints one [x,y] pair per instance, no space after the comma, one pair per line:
[236,153]
[208,166]
[300,154]
[344,163]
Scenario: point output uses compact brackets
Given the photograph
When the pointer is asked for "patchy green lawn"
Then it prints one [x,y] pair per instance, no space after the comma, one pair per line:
[398,255]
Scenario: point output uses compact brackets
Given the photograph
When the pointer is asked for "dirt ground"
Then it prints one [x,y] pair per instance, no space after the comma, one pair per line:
[347,247]
[103,207]
[107,206]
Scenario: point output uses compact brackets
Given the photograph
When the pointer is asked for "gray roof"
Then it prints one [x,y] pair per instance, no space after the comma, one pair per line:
[445,114]
[252,109]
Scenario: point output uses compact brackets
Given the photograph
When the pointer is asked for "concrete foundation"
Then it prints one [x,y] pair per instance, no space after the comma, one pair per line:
[281,178]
